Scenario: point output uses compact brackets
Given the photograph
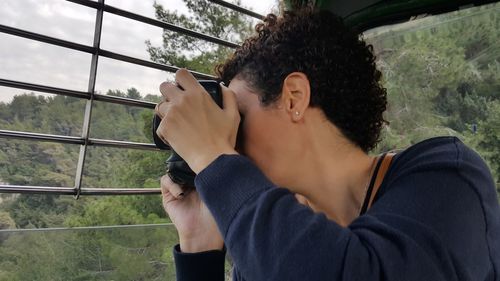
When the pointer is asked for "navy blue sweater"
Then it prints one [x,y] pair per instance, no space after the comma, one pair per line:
[435,217]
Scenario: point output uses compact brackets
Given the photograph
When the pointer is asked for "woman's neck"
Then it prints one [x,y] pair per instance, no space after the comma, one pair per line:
[334,176]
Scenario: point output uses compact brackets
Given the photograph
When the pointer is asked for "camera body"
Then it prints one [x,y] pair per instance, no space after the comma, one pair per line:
[177,169]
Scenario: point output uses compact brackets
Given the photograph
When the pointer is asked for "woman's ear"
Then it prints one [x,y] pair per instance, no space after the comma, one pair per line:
[296,94]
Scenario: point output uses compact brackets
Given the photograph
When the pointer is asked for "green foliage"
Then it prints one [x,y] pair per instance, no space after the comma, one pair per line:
[192,53]
[88,254]
[442,76]
[6,222]
[54,164]
[119,211]
[487,139]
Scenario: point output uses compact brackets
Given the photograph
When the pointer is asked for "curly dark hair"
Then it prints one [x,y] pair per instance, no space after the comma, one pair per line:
[340,67]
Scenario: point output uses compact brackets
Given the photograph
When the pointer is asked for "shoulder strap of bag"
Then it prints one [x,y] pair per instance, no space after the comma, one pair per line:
[384,166]
[381,168]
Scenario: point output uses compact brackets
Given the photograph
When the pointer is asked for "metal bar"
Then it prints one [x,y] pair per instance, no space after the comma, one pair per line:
[76,140]
[106,227]
[88,106]
[122,144]
[120,191]
[124,101]
[72,191]
[43,88]
[75,94]
[238,9]
[155,22]
[45,39]
[40,137]
[37,189]
[95,54]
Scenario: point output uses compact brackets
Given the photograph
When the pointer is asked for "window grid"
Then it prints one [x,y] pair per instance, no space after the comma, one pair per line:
[85,141]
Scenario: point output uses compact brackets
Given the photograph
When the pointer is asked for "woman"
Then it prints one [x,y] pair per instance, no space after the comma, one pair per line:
[287,201]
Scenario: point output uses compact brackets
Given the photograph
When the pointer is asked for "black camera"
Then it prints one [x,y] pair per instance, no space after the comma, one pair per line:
[177,169]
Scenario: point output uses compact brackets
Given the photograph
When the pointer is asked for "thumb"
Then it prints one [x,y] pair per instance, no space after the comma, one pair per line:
[229,101]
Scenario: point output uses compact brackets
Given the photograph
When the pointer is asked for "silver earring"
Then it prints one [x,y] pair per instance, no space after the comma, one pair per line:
[297,113]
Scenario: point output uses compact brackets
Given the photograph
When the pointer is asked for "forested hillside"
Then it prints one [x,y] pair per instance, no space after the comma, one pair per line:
[442,75]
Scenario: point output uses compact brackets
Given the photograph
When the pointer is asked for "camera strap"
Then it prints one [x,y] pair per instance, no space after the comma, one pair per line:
[383,164]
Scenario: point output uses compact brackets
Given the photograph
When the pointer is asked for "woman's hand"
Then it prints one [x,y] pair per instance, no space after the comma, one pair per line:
[192,123]
[195,224]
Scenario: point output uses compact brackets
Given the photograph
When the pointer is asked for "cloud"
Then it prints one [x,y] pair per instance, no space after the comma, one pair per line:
[34,62]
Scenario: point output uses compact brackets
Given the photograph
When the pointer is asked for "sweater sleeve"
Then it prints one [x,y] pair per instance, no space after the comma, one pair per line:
[272,237]
[208,266]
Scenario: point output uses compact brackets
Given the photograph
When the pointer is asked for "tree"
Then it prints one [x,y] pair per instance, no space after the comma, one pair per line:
[440,75]
[487,139]
[195,54]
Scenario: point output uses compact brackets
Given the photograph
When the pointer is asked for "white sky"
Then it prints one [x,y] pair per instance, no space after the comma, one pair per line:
[30,61]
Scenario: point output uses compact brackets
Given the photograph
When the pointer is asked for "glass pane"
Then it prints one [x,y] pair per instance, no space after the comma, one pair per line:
[28,211]
[112,253]
[107,167]
[121,76]
[142,252]
[120,122]
[39,63]
[55,18]
[130,34]
[442,75]
[41,113]
[37,163]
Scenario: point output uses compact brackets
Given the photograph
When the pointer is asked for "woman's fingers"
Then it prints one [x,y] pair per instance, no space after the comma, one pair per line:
[161,108]
[193,125]
[186,80]
[177,191]
[170,91]
[168,187]
[167,198]
[229,100]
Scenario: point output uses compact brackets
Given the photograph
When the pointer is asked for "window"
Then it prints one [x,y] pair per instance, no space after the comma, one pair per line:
[442,75]
[78,84]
